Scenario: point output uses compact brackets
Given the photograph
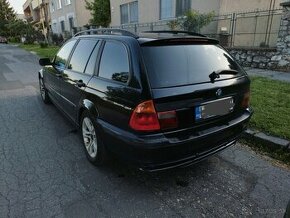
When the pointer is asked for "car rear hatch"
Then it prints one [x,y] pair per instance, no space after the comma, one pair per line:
[198,80]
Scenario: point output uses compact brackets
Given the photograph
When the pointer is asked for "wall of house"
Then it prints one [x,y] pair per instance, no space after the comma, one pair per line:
[149,10]
[227,6]
[76,10]
[61,14]
[82,14]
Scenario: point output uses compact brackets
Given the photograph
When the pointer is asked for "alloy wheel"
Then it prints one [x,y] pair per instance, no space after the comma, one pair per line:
[89,137]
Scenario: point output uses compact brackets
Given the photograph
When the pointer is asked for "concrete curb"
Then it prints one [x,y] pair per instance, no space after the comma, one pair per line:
[271,141]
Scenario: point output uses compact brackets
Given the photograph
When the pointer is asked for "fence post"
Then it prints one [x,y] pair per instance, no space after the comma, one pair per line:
[233,28]
[255,31]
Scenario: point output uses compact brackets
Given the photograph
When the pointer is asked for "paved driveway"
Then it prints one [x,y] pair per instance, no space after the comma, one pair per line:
[44,171]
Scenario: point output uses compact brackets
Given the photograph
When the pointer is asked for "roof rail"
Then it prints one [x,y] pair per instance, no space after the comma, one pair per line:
[107,31]
[175,32]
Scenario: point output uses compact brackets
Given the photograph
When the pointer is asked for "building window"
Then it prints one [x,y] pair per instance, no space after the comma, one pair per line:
[133,12]
[59,6]
[182,6]
[54,28]
[124,14]
[71,22]
[166,9]
[62,26]
[129,13]
[67,2]
[52,6]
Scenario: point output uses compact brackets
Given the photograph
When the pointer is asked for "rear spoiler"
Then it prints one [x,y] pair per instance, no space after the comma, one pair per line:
[181,41]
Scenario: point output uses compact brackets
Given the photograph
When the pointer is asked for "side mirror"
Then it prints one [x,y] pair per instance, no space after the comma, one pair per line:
[44,62]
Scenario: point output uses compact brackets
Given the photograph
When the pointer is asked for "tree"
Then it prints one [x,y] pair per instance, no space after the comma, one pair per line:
[192,21]
[7,15]
[100,11]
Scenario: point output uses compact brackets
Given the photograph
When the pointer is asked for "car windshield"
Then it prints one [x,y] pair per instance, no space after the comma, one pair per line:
[179,65]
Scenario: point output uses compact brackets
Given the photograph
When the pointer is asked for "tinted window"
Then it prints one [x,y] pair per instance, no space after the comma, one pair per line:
[90,69]
[178,65]
[81,55]
[62,56]
[114,63]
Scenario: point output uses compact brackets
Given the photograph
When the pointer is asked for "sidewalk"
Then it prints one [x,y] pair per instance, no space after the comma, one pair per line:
[260,137]
[275,75]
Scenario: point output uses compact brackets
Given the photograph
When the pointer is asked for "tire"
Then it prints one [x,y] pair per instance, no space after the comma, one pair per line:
[43,92]
[93,144]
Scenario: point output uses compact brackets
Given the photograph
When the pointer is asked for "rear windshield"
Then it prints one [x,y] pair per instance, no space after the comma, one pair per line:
[178,65]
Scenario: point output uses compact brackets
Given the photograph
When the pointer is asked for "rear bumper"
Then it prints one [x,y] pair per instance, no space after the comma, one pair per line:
[160,151]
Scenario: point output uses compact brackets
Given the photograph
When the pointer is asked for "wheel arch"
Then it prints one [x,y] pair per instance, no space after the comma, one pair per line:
[87,105]
[40,74]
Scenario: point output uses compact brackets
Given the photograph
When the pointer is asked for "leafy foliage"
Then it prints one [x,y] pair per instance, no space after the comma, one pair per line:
[173,24]
[7,15]
[100,11]
[192,21]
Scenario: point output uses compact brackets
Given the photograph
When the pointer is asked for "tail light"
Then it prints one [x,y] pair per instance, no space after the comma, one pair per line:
[246,100]
[145,118]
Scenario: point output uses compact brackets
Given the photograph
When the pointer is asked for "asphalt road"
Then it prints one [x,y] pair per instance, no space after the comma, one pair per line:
[44,171]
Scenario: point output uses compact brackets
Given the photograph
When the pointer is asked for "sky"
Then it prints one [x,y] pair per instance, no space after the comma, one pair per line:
[17,5]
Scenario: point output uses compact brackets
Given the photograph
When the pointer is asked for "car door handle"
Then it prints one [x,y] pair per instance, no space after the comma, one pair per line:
[80,84]
[59,75]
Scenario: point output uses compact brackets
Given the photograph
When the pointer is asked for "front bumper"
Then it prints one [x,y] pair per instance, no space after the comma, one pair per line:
[153,152]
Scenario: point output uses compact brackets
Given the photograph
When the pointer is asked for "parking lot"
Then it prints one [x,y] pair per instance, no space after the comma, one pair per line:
[44,171]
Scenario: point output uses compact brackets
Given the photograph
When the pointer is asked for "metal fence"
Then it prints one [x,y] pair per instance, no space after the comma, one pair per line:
[244,29]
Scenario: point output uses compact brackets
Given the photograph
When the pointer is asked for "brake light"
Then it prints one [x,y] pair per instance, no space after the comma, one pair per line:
[246,100]
[145,118]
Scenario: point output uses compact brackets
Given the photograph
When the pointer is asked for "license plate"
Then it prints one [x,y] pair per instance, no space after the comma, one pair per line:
[214,108]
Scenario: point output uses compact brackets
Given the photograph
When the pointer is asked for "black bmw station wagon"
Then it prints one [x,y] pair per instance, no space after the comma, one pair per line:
[160,100]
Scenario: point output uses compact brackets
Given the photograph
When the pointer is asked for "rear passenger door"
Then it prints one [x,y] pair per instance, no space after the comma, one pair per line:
[110,87]
[78,73]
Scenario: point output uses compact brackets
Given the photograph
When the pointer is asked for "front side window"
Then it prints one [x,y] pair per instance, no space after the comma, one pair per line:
[182,6]
[166,9]
[62,56]
[81,55]
[114,62]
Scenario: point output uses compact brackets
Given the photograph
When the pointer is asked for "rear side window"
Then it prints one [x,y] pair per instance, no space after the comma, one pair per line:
[114,62]
[62,56]
[179,65]
[81,55]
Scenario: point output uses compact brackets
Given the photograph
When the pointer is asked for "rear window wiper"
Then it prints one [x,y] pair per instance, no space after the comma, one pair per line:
[216,74]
